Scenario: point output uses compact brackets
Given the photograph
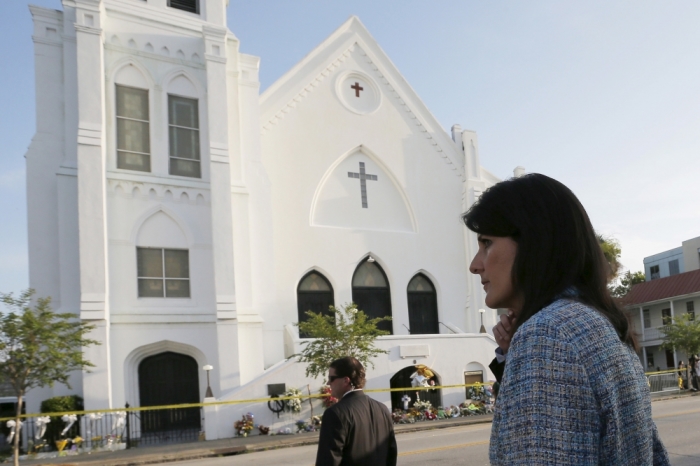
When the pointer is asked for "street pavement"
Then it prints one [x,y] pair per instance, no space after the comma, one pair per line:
[461,441]
[676,419]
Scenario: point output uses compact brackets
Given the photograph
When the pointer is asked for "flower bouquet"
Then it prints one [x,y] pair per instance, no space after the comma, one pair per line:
[301,426]
[294,404]
[329,400]
[244,426]
[61,444]
[422,405]
[476,392]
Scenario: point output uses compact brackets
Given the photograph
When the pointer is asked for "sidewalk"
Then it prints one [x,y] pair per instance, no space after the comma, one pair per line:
[227,447]
[238,445]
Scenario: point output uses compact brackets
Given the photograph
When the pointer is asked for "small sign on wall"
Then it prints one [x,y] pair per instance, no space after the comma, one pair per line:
[414,351]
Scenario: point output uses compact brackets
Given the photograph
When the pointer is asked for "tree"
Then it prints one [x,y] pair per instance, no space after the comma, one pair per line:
[683,334]
[39,347]
[611,251]
[626,282]
[347,332]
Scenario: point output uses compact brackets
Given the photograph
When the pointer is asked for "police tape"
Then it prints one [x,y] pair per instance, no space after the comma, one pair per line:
[234,402]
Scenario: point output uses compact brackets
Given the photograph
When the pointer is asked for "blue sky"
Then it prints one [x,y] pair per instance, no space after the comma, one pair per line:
[604,96]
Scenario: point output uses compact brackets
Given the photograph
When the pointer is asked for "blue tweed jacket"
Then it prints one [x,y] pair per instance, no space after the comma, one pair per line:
[573,394]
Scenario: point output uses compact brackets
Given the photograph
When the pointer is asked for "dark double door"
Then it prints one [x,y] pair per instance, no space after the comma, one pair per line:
[169,379]
[375,302]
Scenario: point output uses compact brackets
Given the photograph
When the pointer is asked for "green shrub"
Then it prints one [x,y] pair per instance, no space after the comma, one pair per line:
[60,404]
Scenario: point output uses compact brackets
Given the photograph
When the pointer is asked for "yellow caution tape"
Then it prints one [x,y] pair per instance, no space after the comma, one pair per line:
[234,402]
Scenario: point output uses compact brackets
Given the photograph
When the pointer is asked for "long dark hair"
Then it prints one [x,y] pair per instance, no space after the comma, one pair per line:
[558,251]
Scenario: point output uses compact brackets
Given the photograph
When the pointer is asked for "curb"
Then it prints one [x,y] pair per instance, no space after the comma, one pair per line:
[683,394]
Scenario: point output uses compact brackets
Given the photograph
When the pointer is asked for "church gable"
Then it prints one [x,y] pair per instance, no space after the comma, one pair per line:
[362,78]
[359,192]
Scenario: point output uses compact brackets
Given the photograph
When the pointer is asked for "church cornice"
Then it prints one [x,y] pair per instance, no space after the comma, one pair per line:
[149,179]
[45,41]
[56,16]
[155,56]
[88,29]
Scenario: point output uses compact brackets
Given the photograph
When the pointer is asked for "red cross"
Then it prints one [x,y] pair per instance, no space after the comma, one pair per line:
[357,88]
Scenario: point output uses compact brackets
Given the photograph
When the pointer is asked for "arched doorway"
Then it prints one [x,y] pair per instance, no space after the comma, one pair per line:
[314,294]
[169,379]
[402,379]
[370,291]
[422,306]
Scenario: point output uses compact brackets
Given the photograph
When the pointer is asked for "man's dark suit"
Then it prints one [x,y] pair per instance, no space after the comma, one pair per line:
[357,431]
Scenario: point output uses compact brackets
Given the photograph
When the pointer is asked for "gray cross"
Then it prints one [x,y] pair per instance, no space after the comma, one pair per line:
[363,184]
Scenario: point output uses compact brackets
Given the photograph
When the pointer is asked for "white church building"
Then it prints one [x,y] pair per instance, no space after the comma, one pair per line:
[193,220]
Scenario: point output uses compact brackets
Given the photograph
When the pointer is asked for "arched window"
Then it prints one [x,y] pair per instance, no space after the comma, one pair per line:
[168,379]
[314,294]
[422,306]
[370,291]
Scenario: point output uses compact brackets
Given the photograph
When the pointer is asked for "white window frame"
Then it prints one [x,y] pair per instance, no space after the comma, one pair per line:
[170,142]
[148,122]
[164,278]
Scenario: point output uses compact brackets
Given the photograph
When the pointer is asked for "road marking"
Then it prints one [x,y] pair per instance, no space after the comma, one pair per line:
[695,411]
[449,447]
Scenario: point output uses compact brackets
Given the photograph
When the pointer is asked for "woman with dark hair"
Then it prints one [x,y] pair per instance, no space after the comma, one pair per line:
[573,390]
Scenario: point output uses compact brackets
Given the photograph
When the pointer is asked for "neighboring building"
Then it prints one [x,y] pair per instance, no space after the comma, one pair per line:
[674,261]
[193,221]
[654,303]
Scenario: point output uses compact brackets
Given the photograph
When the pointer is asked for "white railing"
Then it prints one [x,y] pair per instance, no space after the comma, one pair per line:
[653,333]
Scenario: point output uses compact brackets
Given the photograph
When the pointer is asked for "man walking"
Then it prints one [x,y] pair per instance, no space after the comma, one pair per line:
[357,430]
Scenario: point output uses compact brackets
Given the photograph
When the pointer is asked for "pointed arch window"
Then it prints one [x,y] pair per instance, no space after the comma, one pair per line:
[422,306]
[133,134]
[371,292]
[183,130]
[314,294]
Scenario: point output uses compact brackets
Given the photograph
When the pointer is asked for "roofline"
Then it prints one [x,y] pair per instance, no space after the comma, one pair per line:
[658,301]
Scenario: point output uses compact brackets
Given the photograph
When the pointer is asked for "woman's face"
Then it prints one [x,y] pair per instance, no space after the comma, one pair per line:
[494,263]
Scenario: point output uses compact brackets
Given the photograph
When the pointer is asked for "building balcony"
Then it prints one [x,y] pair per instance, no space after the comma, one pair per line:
[653,333]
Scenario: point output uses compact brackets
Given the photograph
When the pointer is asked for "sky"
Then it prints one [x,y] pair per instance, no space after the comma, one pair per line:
[603,96]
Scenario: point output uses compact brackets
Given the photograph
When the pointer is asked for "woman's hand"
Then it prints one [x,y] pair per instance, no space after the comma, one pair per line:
[502,332]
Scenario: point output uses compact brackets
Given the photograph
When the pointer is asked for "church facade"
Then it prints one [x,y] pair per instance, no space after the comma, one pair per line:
[193,220]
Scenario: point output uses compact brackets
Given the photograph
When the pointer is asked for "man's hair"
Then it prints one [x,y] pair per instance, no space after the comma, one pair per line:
[557,246]
[351,368]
